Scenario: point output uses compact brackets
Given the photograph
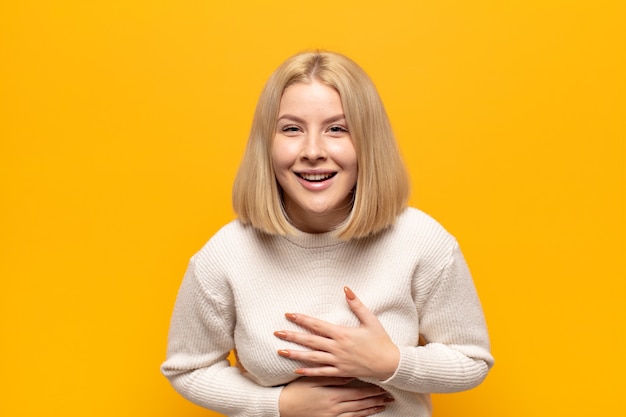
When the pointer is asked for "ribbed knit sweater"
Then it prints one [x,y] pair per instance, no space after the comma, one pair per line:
[238,287]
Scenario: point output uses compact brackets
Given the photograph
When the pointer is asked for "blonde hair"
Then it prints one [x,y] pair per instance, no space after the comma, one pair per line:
[382,188]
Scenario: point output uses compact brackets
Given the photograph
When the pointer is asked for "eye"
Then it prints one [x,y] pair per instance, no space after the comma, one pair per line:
[337,130]
[290,129]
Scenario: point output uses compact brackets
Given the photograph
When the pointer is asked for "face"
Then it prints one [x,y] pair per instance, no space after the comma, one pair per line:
[314,159]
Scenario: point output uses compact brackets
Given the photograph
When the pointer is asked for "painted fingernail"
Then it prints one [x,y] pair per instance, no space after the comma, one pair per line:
[283,353]
[290,316]
[349,294]
[299,371]
[280,334]
[389,399]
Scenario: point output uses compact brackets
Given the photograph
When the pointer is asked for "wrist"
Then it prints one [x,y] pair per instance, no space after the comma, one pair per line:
[390,364]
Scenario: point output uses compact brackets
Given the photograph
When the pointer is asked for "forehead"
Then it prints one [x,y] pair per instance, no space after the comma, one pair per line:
[309,96]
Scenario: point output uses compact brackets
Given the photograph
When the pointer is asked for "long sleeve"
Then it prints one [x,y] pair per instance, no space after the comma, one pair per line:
[238,287]
[457,356]
[200,339]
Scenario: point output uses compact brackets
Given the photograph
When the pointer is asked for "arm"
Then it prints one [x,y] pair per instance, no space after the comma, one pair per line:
[455,358]
[330,397]
[200,339]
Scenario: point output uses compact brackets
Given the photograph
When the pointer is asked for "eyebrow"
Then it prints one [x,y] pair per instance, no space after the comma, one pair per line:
[297,119]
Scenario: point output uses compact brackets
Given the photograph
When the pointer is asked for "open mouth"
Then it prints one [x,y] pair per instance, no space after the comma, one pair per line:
[316,177]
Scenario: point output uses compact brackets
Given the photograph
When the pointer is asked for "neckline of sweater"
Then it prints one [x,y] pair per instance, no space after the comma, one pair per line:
[314,240]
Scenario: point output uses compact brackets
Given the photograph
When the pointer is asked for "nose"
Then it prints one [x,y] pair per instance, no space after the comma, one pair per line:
[313,147]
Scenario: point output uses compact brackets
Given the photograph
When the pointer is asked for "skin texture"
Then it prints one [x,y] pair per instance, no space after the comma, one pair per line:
[365,351]
[328,397]
[316,166]
[314,158]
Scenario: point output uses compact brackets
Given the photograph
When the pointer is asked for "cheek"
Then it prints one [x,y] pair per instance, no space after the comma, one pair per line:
[283,154]
[275,155]
[345,156]
[281,163]
[278,164]
[353,167]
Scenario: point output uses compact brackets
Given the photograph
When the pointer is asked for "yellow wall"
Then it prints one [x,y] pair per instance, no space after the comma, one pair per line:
[122,123]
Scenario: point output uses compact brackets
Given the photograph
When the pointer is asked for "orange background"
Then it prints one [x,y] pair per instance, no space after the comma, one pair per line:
[122,124]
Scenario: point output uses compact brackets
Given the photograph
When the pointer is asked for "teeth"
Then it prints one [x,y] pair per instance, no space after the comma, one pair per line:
[316,177]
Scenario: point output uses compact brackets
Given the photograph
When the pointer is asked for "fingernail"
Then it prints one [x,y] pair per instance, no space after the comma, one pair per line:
[389,399]
[299,371]
[280,334]
[283,353]
[349,294]
[290,316]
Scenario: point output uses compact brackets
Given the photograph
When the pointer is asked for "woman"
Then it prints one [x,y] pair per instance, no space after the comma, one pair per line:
[339,300]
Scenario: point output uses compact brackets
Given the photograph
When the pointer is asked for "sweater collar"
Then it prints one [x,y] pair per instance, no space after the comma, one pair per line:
[314,240]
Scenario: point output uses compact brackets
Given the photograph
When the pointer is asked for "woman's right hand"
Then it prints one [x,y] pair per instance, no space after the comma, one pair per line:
[329,397]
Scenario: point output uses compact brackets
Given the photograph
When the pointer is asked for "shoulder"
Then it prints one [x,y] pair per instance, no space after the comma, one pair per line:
[232,236]
[227,246]
[417,224]
[419,237]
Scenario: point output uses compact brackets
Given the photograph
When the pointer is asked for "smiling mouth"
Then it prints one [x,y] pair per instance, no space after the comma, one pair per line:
[316,177]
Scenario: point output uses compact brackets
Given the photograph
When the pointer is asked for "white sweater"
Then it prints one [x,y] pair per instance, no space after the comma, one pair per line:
[240,284]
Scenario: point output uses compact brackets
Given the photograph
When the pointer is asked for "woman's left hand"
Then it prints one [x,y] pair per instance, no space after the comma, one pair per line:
[366,351]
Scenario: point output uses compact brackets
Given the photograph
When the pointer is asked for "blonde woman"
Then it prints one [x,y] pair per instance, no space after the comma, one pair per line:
[338,298]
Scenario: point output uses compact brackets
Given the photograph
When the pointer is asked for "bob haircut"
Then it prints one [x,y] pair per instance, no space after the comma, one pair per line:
[382,188]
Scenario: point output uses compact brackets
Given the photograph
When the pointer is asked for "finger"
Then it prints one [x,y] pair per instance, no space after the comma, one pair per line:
[359,309]
[363,393]
[324,381]
[313,324]
[365,407]
[366,412]
[321,371]
[308,340]
[327,381]
[322,358]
